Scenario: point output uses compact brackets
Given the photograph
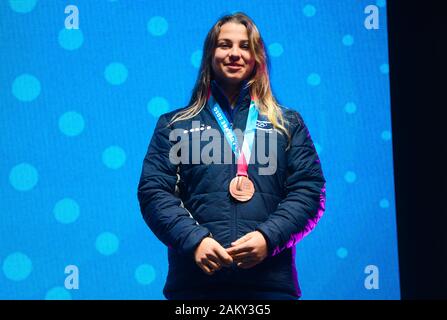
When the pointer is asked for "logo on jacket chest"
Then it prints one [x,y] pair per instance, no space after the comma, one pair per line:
[264,125]
[260,125]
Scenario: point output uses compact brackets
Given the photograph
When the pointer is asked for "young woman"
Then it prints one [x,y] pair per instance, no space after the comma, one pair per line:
[230,227]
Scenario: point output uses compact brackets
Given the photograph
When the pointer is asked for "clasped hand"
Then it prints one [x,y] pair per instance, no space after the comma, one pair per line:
[246,252]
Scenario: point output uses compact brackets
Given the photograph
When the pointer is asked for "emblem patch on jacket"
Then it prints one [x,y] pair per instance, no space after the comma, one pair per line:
[264,125]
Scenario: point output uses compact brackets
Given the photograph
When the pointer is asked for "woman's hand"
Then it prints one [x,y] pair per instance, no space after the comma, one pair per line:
[210,256]
[249,250]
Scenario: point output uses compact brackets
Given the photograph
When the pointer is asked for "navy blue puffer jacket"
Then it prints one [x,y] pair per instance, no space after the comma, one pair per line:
[183,203]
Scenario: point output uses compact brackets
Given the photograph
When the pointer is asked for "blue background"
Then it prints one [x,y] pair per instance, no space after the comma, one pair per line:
[78,108]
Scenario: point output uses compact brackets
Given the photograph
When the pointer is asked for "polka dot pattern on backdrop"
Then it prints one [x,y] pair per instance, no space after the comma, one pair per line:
[348,40]
[66,211]
[384,68]
[22,6]
[384,203]
[23,177]
[381,3]
[17,266]
[386,135]
[157,106]
[275,49]
[313,79]
[350,177]
[145,274]
[116,73]
[342,252]
[26,87]
[350,107]
[107,243]
[157,26]
[58,293]
[70,39]
[309,10]
[71,123]
[114,157]
[196,58]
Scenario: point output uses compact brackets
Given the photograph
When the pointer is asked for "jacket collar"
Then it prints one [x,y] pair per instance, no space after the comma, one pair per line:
[242,102]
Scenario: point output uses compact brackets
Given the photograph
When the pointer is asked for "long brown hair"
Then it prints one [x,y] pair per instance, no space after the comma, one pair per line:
[259,83]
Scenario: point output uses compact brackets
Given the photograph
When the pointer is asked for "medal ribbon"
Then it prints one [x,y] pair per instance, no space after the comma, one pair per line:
[249,133]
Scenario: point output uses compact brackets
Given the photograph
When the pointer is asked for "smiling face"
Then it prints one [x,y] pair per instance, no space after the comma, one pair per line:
[233,61]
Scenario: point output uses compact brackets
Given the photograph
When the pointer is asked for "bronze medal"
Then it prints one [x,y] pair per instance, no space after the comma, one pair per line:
[242,188]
